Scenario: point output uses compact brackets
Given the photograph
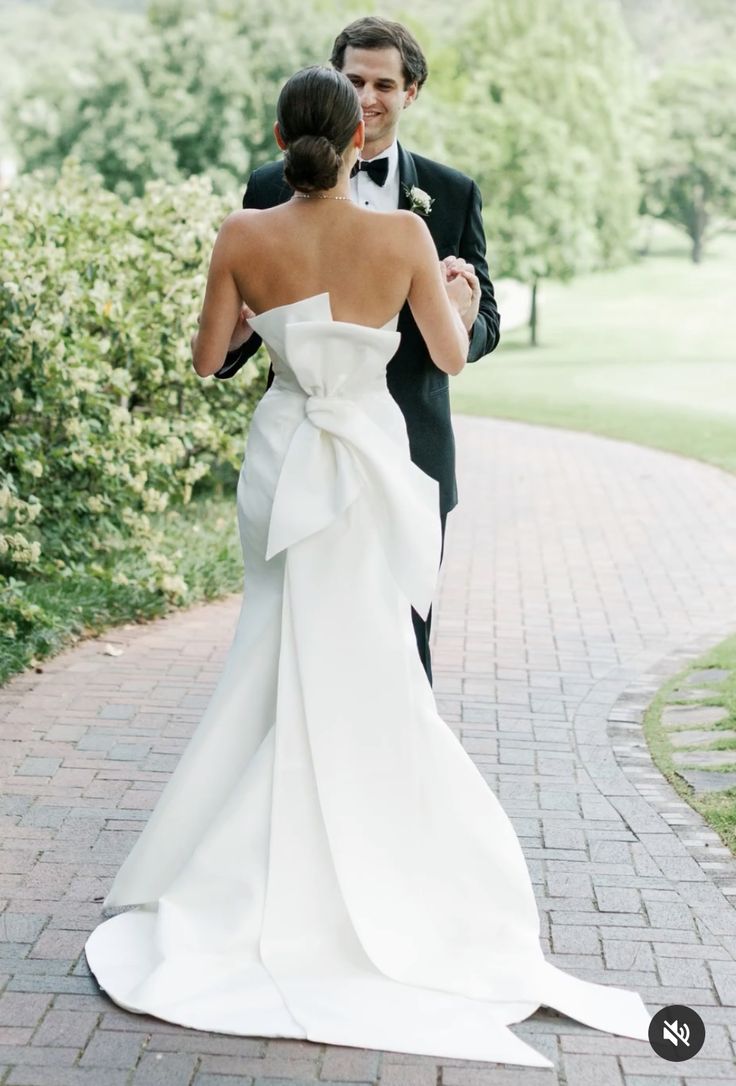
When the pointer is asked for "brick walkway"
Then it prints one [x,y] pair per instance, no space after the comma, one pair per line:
[579,573]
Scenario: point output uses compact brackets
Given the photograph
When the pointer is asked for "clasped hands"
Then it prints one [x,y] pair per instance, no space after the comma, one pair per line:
[461,283]
[463,287]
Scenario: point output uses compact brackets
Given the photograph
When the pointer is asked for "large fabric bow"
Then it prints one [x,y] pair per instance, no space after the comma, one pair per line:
[338,454]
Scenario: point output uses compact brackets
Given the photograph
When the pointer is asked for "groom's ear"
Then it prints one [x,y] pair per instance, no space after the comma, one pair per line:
[279,137]
[411,92]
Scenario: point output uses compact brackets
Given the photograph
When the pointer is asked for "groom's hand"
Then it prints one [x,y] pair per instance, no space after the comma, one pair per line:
[242,330]
[454,268]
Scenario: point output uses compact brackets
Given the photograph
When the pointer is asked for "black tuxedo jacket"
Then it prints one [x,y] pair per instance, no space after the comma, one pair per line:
[420,389]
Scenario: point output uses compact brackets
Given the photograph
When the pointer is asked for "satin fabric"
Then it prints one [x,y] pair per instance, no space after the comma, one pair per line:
[326,861]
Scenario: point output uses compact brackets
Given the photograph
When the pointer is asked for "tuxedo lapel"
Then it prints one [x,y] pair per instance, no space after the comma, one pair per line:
[407,178]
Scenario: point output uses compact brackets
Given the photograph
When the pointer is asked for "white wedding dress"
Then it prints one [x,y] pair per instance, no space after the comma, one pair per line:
[327,862]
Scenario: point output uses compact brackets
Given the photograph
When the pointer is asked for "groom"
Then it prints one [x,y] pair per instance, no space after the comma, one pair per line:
[387,67]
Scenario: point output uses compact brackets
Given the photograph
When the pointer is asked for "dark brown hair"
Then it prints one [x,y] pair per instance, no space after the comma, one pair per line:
[372,32]
[318,111]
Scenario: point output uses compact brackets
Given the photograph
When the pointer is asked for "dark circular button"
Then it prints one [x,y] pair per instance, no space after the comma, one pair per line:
[676,1033]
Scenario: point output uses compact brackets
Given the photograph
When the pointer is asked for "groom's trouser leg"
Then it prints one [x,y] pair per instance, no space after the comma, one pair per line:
[422,627]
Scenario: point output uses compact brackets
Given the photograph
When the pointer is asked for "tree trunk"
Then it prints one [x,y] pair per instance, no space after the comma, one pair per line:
[534,316]
[698,223]
[697,250]
[646,243]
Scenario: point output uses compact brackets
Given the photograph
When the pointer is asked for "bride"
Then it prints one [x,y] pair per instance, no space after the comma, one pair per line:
[326,862]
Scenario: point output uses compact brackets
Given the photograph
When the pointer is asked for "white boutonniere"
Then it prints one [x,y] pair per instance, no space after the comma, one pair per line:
[419,200]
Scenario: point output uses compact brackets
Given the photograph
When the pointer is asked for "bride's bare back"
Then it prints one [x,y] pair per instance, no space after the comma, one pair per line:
[370,263]
[308,247]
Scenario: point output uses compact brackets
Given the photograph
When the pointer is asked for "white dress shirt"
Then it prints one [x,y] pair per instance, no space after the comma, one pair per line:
[366,193]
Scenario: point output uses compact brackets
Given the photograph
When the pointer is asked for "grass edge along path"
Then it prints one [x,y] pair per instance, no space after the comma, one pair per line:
[717,808]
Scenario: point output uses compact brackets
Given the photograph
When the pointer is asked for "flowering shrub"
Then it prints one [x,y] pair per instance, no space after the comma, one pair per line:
[103,421]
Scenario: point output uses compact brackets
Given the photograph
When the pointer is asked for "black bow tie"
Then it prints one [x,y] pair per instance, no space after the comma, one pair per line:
[377,169]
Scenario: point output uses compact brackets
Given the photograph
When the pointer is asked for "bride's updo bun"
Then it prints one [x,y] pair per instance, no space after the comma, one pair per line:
[318,111]
[311,162]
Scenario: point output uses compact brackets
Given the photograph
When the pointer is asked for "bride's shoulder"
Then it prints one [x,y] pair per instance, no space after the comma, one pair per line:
[401,224]
[239,221]
[240,226]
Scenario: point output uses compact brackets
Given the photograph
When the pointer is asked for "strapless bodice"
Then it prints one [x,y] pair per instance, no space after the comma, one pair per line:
[318,356]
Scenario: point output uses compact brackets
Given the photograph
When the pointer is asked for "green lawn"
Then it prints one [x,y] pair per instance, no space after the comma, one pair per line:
[646,353]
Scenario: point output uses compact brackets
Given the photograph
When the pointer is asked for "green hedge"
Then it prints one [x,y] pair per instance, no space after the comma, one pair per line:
[103,421]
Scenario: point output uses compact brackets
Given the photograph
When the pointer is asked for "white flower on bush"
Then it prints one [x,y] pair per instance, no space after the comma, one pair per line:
[20,549]
[16,509]
[155,501]
[119,415]
[120,578]
[174,586]
[161,561]
[38,331]
[34,468]
[33,287]
[95,504]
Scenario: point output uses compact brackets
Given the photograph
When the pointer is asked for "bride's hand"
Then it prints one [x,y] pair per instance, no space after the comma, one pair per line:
[454,268]
[242,330]
[460,293]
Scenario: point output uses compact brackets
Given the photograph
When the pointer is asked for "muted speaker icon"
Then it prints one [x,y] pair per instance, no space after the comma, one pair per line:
[671,1032]
[676,1033]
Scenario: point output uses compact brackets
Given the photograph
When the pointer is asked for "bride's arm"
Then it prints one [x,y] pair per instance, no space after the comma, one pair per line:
[435,305]
[222,301]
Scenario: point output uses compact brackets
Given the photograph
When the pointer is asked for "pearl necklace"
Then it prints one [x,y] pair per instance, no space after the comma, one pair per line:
[319,196]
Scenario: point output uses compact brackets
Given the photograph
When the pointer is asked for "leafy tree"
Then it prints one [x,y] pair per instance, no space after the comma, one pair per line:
[540,96]
[690,171]
[194,93]
[30,33]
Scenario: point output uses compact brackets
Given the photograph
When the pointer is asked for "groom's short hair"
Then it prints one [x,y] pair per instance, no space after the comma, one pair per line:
[372,32]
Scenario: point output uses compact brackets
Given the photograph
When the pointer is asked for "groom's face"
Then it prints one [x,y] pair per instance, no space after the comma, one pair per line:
[378,77]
